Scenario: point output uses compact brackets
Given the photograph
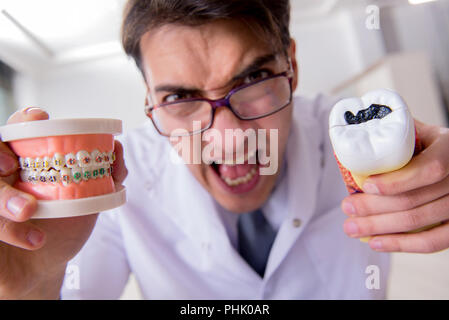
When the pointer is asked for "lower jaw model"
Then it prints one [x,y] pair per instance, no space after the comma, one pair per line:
[371,135]
[67,165]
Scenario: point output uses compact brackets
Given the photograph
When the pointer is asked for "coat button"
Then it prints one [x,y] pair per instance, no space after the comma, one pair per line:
[296,223]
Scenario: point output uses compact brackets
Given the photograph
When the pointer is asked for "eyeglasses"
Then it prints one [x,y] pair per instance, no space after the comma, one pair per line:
[256,100]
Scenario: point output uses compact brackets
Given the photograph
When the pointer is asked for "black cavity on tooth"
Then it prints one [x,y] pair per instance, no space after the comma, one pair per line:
[375,111]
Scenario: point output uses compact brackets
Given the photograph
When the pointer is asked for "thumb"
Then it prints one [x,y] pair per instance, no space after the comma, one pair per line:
[28,114]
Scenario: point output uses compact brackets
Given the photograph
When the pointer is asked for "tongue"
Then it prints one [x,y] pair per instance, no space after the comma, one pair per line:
[234,172]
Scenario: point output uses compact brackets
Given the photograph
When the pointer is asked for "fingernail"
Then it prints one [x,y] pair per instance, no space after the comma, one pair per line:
[35,237]
[7,163]
[15,205]
[348,208]
[32,110]
[376,244]
[351,228]
[370,188]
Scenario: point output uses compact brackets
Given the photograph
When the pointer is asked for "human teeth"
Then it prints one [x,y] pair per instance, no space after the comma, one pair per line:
[240,180]
[70,160]
[84,159]
[32,164]
[58,161]
[374,134]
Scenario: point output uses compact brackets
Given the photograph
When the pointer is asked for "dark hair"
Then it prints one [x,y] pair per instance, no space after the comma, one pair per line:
[268,18]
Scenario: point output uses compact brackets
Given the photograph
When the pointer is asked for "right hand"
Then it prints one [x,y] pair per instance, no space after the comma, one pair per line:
[34,253]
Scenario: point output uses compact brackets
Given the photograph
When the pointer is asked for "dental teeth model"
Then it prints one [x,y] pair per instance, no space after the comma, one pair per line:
[67,169]
[67,165]
[372,135]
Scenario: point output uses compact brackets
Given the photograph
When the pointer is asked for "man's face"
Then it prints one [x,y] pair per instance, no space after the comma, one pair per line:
[208,61]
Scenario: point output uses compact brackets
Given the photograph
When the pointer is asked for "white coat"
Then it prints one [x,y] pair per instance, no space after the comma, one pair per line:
[171,236]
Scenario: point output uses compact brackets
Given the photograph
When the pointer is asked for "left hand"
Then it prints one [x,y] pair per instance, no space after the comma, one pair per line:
[408,199]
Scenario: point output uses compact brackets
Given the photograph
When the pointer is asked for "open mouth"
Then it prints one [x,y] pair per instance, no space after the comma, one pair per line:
[238,176]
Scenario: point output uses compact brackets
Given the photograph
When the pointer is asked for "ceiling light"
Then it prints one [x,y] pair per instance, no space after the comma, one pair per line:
[419,1]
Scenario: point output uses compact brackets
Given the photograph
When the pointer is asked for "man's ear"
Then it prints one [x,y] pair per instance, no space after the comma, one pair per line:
[292,52]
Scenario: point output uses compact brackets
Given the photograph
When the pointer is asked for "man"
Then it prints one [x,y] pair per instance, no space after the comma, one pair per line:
[219,229]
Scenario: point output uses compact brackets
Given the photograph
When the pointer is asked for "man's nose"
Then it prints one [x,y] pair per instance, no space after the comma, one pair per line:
[227,123]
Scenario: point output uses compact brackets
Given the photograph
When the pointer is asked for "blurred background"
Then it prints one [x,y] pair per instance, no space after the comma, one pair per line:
[65,56]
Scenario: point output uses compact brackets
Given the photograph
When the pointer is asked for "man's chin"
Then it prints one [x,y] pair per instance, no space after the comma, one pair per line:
[245,202]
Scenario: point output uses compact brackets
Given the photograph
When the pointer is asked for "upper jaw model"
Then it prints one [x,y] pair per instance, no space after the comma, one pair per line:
[66,164]
[373,134]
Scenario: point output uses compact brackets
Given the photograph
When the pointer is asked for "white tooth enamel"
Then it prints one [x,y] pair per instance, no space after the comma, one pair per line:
[70,160]
[97,158]
[84,159]
[66,176]
[77,174]
[95,173]
[33,176]
[38,163]
[58,161]
[24,174]
[32,163]
[376,146]
[53,176]
[27,163]
[105,157]
[43,176]
[240,180]
[46,163]
[111,156]
[101,172]
[87,174]
[22,163]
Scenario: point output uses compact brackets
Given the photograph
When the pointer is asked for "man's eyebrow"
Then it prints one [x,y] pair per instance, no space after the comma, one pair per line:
[254,66]
[176,88]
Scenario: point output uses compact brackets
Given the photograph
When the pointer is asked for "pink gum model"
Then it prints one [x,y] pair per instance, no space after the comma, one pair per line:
[48,147]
